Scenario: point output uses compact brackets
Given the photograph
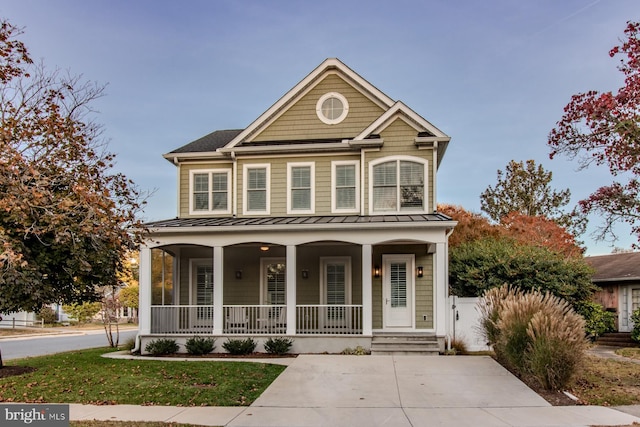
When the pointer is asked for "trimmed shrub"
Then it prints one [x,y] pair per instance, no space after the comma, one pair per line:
[200,345]
[635,318]
[162,346]
[358,351]
[240,347]
[597,320]
[279,345]
[534,334]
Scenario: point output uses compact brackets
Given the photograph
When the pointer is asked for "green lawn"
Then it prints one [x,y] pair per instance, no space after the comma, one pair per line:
[85,377]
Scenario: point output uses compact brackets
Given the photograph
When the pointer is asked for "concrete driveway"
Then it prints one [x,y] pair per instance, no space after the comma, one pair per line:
[322,390]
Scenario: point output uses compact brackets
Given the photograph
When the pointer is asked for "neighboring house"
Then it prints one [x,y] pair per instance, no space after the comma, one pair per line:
[618,277]
[318,222]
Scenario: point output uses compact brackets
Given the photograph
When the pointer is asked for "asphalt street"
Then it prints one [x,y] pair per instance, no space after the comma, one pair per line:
[40,345]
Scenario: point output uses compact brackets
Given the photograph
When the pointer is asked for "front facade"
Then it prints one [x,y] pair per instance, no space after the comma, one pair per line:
[618,279]
[318,222]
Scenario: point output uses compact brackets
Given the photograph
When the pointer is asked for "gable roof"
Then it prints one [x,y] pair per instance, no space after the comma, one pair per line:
[615,267]
[224,142]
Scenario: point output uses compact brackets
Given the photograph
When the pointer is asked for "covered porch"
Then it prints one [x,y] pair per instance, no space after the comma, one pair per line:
[309,285]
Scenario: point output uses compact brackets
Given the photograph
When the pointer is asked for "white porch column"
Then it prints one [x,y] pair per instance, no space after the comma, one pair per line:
[218,288]
[441,291]
[367,291]
[291,290]
[144,296]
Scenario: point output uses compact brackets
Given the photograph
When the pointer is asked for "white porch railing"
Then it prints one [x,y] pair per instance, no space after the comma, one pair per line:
[257,319]
[181,319]
[329,319]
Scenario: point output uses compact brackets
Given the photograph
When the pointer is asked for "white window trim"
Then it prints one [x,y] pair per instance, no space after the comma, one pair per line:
[245,201]
[210,173]
[334,164]
[345,108]
[398,159]
[323,272]
[312,202]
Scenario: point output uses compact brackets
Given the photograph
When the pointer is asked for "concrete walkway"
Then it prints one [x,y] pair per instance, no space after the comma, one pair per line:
[411,391]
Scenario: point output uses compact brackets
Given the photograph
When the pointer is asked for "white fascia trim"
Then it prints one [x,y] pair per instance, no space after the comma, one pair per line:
[290,148]
[312,201]
[396,110]
[327,65]
[204,155]
[323,227]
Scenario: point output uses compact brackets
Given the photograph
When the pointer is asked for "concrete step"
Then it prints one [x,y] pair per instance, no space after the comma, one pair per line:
[617,339]
[404,344]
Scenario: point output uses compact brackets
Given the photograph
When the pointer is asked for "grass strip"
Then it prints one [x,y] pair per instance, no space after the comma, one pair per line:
[608,382]
[86,377]
[631,352]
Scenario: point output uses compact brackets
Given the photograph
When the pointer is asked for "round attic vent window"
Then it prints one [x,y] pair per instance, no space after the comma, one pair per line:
[332,108]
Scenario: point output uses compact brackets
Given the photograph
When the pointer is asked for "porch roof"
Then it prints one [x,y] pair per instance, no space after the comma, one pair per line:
[298,221]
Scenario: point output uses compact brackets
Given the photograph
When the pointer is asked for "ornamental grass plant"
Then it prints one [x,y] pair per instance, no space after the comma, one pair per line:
[534,334]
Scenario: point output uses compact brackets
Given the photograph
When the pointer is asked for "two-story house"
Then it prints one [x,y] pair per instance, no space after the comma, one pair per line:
[318,222]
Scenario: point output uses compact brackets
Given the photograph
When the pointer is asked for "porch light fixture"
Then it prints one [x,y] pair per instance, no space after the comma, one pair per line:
[264,248]
[238,274]
[376,271]
[305,274]
[420,271]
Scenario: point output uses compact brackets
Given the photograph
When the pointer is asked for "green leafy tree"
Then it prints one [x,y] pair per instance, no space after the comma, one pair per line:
[82,312]
[525,188]
[475,267]
[604,128]
[66,221]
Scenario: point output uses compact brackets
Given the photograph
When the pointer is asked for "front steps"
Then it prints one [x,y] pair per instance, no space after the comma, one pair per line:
[404,344]
[616,339]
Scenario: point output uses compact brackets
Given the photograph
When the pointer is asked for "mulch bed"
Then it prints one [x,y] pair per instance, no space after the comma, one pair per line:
[228,356]
[12,371]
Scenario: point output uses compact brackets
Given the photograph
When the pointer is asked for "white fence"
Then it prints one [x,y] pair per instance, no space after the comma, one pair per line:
[465,323]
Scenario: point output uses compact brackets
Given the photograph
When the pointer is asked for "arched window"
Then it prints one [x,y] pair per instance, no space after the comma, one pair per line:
[398,185]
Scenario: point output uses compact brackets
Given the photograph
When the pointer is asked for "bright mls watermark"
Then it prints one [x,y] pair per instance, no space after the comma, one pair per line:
[34,415]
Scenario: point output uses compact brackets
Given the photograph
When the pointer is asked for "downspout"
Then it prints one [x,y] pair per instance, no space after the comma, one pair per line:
[435,175]
[234,203]
[362,159]
[177,163]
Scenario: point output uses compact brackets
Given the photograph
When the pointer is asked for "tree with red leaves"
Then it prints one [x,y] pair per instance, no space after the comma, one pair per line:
[604,129]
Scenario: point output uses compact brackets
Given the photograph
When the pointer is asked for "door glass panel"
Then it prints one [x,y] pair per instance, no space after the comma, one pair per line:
[336,286]
[276,289]
[635,299]
[204,290]
[398,282]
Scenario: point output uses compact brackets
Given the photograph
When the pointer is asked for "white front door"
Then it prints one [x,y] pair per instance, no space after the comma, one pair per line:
[397,295]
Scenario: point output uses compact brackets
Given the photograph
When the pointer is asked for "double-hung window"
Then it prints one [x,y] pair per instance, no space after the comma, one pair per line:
[398,185]
[345,186]
[210,192]
[300,188]
[256,189]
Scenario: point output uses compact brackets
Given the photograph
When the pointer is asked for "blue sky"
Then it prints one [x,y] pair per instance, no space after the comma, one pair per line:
[494,75]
